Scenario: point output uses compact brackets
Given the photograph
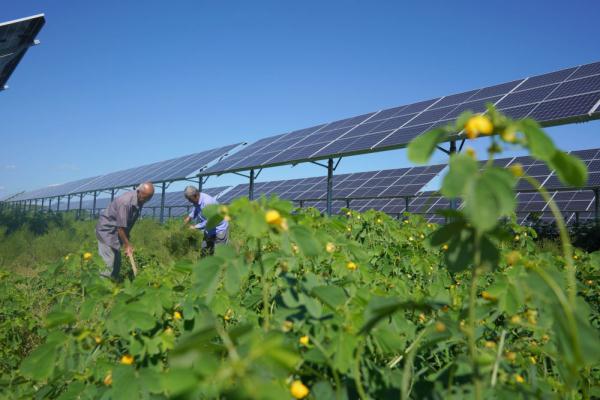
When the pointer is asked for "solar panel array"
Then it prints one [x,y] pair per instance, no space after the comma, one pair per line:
[572,94]
[169,170]
[373,184]
[15,38]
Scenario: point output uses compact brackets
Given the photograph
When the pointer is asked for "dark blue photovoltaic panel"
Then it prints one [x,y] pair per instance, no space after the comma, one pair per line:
[402,136]
[454,99]
[519,112]
[570,107]
[475,106]
[15,39]
[526,96]
[586,70]
[547,79]
[576,87]
[496,90]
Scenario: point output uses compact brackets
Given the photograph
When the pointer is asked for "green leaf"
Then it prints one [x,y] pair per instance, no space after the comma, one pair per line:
[40,364]
[233,278]
[446,232]
[490,197]
[177,381]
[421,148]
[306,241]
[56,318]
[463,169]
[540,145]
[570,170]
[333,296]
[206,277]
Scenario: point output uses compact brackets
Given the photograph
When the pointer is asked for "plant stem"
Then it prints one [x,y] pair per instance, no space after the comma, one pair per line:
[357,380]
[336,377]
[498,357]
[564,238]
[471,323]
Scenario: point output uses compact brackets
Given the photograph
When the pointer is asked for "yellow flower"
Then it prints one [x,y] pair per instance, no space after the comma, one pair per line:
[127,359]
[87,256]
[273,217]
[330,247]
[430,226]
[422,317]
[517,238]
[351,266]
[471,152]
[532,360]
[176,315]
[406,221]
[223,209]
[67,257]
[478,125]
[410,239]
[299,390]
[513,257]
[295,248]
[440,327]
[379,220]
[515,319]
[510,355]
[545,338]
[445,247]
[349,213]
[108,379]
[169,331]
[489,344]
[532,317]
[575,257]
[98,339]
[517,170]
[589,282]
[287,326]
[487,296]
[422,236]
[304,340]
[228,315]
[509,134]
[519,378]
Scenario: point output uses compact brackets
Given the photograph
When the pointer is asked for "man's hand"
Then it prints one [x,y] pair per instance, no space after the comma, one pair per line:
[128,250]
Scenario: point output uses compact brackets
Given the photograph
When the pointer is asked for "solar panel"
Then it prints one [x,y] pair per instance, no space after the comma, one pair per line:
[360,185]
[558,97]
[15,39]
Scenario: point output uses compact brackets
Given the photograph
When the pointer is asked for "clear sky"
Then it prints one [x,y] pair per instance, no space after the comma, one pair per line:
[116,84]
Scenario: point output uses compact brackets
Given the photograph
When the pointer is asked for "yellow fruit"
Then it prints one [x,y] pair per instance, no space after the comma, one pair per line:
[87,256]
[440,327]
[519,378]
[176,315]
[299,390]
[127,359]
[304,340]
[273,217]
[351,266]
[108,379]
[478,125]
[471,153]
[330,247]
[517,170]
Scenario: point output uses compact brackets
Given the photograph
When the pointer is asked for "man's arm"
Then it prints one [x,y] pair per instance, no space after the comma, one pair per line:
[125,240]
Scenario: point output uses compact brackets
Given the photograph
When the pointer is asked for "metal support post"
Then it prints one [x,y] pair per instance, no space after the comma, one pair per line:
[94,205]
[453,203]
[596,205]
[251,186]
[80,205]
[329,185]
[406,202]
[50,204]
[42,208]
[348,203]
[57,203]
[69,202]
[200,184]
[162,202]
[112,195]
[170,212]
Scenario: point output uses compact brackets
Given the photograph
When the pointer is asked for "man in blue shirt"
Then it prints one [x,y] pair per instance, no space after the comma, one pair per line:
[216,235]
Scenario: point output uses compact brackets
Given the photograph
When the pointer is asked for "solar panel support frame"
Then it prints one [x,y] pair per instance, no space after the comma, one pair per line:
[329,186]
[596,205]
[162,202]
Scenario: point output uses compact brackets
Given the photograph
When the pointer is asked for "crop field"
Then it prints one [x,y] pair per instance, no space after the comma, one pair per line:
[299,305]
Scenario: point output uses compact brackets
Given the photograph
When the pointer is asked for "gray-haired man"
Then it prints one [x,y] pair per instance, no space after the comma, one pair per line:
[114,225]
[216,235]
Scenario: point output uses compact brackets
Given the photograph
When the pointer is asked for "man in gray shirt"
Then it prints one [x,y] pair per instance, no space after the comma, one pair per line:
[114,225]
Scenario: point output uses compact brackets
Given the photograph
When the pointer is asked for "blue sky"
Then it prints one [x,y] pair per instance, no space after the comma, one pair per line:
[116,84]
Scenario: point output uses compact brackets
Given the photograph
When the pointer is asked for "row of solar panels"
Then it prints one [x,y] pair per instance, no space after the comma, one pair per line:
[394,191]
[559,97]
